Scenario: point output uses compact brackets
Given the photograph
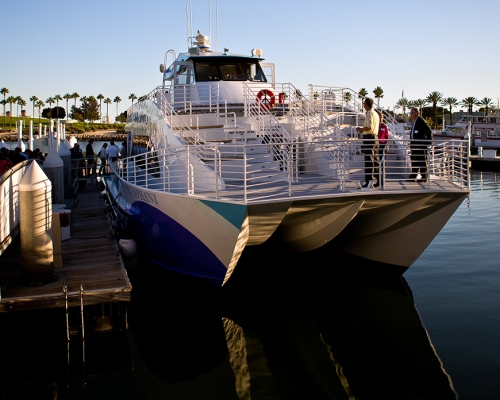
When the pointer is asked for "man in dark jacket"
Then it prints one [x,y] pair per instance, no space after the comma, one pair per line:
[89,155]
[421,136]
[76,161]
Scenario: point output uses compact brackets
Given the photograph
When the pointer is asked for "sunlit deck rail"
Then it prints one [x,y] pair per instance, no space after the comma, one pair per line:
[280,168]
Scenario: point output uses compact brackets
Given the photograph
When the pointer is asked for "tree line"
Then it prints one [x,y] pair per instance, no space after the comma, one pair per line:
[429,106]
[90,108]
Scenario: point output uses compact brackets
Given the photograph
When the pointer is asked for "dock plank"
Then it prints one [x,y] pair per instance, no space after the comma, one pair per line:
[91,260]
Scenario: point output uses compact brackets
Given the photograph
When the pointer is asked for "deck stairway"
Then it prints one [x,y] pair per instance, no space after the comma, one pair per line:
[240,155]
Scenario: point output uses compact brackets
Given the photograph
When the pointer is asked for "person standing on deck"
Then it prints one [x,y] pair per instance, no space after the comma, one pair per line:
[369,147]
[76,161]
[89,155]
[113,151]
[421,136]
[103,156]
[383,138]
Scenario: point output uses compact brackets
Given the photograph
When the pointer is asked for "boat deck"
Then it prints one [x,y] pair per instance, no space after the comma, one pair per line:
[92,270]
[321,186]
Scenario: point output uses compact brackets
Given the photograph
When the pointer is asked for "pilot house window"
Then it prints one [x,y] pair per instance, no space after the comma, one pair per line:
[228,70]
[206,72]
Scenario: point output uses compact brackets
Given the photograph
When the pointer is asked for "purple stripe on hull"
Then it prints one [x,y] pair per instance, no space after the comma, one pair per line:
[169,245]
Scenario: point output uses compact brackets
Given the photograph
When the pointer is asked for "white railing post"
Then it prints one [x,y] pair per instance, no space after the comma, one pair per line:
[245,174]
[146,168]
[164,169]
[218,171]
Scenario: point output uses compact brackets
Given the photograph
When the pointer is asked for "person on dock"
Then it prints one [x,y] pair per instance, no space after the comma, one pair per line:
[12,155]
[369,147]
[38,155]
[113,151]
[103,156]
[5,162]
[20,151]
[123,149]
[89,155]
[421,136]
[76,161]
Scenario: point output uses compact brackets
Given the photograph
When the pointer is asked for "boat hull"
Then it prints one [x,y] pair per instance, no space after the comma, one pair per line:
[209,239]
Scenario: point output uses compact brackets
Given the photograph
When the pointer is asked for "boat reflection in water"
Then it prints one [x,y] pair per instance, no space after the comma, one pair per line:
[290,337]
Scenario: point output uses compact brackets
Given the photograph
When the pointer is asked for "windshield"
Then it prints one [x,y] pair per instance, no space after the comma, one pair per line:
[228,70]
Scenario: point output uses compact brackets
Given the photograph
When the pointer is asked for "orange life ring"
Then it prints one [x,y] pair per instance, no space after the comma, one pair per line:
[266,99]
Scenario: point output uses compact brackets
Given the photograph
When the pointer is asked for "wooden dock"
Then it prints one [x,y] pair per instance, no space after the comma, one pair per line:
[93,271]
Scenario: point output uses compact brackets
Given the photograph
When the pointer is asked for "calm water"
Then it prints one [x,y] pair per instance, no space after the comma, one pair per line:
[282,334]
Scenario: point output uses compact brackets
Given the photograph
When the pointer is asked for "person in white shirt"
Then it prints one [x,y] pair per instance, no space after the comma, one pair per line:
[113,151]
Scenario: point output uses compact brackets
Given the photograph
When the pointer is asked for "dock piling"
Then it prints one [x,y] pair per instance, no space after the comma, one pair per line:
[35,206]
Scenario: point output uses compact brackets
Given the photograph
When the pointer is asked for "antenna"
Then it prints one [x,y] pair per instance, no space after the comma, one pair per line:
[210,20]
[187,25]
[191,20]
[216,28]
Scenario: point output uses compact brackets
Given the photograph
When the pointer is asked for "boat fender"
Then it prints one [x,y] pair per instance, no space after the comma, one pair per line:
[266,99]
[128,247]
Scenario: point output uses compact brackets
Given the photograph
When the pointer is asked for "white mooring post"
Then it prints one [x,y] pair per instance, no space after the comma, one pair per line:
[51,135]
[53,167]
[35,209]
[20,135]
[30,138]
[65,155]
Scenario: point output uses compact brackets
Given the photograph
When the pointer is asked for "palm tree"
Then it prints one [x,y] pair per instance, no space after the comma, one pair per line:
[494,109]
[107,101]
[100,97]
[75,96]
[4,91]
[362,93]
[347,97]
[470,103]
[39,104]
[421,103]
[57,97]
[11,100]
[33,99]
[411,104]
[3,102]
[117,100]
[450,102]
[403,104]
[487,103]
[19,100]
[50,100]
[378,92]
[66,97]
[434,98]
[132,97]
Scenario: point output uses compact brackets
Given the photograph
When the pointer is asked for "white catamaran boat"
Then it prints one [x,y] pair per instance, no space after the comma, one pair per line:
[484,131]
[242,167]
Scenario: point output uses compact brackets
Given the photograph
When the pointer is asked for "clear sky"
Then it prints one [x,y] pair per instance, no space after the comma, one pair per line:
[115,47]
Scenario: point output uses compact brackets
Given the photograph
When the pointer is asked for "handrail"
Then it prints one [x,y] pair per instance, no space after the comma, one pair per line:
[9,202]
[344,101]
[337,164]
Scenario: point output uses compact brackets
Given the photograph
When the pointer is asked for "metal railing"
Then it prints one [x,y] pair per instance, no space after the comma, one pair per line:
[310,168]
[341,102]
[9,202]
